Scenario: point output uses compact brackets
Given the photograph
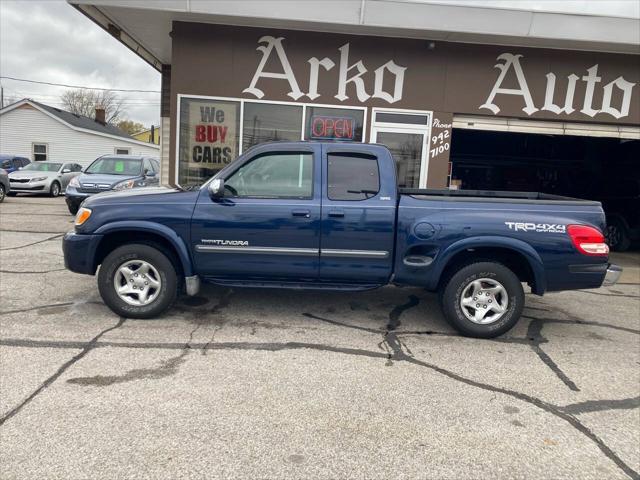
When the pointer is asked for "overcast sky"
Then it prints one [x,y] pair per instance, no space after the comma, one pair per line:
[51,41]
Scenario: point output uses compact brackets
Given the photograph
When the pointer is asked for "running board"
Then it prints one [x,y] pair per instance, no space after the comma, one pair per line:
[293,285]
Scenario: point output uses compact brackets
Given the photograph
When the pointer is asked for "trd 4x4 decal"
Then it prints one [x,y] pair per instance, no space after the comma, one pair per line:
[536,227]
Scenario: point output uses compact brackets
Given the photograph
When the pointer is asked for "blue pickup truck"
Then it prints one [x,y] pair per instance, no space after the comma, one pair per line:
[329,216]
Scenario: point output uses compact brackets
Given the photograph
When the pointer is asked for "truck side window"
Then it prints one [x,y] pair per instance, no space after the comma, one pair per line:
[352,176]
[274,175]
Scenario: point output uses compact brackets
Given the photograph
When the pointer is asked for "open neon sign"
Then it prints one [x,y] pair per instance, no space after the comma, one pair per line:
[332,128]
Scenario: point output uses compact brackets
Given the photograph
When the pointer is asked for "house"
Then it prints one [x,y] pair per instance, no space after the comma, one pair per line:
[41,132]
[150,135]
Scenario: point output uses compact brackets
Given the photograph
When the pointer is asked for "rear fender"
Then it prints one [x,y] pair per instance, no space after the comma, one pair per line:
[515,245]
[150,227]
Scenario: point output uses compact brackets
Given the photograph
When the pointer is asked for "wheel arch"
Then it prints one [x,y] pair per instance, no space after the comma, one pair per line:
[120,233]
[515,254]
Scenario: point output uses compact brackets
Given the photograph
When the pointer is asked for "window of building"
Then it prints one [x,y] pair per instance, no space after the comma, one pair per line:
[352,176]
[265,122]
[208,138]
[326,123]
[40,152]
[123,151]
[274,175]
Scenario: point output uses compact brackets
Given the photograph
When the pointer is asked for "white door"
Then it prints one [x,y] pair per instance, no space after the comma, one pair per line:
[408,143]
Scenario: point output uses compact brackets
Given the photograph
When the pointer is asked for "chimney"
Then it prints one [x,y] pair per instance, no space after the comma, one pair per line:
[100,115]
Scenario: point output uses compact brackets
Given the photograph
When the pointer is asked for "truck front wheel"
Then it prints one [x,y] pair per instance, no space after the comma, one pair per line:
[137,281]
[483,300]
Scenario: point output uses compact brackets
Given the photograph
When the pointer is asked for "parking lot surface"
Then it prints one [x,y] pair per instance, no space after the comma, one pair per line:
[278,384]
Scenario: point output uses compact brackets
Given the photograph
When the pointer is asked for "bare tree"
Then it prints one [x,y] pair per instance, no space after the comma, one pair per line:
[84,102]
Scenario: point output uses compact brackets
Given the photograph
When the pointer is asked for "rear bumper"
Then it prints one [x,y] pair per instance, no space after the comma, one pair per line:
[612,276]
[80,252]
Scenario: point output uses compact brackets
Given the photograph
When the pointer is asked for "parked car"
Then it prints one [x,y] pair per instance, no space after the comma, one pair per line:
[43,177]
[330,216]
[4,184]
[11,163]
[112,172]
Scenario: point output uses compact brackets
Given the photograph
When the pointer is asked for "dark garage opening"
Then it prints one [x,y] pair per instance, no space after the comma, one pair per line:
[603,169]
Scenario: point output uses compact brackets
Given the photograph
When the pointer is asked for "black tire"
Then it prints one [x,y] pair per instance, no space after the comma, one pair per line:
[73,208]
[54,190]
[457,283]
[617,235]
[167,273]
[2,193]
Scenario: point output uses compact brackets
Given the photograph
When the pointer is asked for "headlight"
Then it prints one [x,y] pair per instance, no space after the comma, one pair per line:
[38,179]
[124,185]
[82,216]
[74,182]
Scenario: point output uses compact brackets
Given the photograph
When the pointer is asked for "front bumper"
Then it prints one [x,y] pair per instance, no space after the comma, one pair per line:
[74,197]
[29,187]
[80,252]
[612,276]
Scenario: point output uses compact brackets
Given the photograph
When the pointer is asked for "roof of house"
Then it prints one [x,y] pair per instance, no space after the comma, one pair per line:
[80,121]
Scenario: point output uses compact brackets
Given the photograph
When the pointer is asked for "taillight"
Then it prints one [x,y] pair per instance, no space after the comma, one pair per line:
[588,240]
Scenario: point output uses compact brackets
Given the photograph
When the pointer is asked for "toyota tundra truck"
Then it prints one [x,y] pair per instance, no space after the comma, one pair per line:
[329,216]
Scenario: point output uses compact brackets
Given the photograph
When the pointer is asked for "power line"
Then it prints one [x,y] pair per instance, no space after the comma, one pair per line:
[79,86]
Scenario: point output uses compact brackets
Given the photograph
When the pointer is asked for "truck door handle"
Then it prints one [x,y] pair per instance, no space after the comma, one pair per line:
[336,213]
[301,213]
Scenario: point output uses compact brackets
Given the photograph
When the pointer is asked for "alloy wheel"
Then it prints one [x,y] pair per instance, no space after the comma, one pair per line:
[484,301]
[137,282]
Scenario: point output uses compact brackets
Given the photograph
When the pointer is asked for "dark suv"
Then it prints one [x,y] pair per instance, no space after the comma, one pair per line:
[11,163]
[112,172]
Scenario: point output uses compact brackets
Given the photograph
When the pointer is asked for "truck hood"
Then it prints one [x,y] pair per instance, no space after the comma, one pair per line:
[139,195]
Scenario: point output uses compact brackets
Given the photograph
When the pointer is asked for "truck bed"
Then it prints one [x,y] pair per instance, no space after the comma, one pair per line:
[494,196]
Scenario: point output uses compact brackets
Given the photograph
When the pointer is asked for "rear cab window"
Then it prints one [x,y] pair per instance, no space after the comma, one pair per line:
[352,176]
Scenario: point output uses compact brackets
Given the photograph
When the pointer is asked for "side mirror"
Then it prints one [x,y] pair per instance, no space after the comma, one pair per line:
[66,170]
[149,174]
[216,188]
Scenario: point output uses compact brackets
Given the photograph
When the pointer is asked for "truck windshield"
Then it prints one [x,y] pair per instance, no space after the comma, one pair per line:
[43,167]
[116,166]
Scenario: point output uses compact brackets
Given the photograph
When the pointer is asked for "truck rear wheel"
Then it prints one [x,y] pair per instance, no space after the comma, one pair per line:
[137,281]
[483,300]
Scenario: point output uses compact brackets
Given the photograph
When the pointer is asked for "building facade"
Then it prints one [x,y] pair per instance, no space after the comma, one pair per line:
[40,132]
[464,96]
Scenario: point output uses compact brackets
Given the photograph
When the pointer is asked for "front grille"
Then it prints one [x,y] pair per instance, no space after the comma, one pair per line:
[94,187]
[19,180]
[28,189]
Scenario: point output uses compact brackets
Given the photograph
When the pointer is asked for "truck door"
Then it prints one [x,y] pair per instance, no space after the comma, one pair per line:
[267,226]
[358,215]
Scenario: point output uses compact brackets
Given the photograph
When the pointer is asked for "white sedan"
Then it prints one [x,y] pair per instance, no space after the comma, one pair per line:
[50,178]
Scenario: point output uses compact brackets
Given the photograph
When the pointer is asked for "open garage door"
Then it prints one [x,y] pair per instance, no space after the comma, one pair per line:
[596,162]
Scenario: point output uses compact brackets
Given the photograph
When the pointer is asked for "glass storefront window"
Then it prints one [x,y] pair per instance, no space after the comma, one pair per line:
[209,138]
[265,122]
[324,123]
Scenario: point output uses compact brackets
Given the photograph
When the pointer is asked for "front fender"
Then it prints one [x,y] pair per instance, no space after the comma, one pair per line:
[156,228]
[518,246]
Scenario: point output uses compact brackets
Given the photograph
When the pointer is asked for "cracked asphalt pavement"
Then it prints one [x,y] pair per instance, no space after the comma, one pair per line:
[278,384]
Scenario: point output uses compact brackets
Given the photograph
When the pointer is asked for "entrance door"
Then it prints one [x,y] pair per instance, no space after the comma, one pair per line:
[406,134]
